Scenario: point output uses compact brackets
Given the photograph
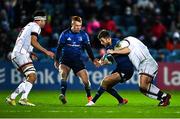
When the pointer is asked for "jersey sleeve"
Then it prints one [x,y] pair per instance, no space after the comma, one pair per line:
[121,44]
[36,30]
[61,38]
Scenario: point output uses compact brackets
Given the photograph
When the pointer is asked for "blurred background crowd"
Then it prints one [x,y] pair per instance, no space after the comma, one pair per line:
[155,22]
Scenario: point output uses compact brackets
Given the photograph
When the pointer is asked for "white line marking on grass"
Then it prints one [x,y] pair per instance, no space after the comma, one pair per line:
[109,111]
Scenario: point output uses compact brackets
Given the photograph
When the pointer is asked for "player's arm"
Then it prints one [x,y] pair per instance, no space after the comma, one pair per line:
[33,56]
[57,55]
[58,51]
[121,48]
[61,43]
[36,45]
[89,51]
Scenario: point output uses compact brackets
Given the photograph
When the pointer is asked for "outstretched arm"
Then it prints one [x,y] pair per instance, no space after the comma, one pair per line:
[119,51]
[36,45]
[120,48]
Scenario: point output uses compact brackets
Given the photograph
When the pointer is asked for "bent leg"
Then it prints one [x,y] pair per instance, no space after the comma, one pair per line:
[106,85]
[150,90]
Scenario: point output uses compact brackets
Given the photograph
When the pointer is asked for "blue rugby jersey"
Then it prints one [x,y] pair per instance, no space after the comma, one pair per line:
[122,61]
[73,44]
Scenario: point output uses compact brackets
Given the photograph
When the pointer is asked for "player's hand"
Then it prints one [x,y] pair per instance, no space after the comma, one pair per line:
[56,64]
[110,51]
[103,62]
[96,63]
[33,56]
[50,54]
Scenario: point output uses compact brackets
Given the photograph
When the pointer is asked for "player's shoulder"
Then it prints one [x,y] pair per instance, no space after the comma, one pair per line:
[131,38]
[33,24]
[66,31]
[82,32]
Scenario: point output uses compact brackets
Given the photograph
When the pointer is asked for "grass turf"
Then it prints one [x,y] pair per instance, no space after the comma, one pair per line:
[48,105]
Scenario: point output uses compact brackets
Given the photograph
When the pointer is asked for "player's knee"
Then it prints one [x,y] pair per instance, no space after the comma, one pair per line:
[87,84]
[31,78]
[63,76]
[144,84]
[143,90]
[105,83]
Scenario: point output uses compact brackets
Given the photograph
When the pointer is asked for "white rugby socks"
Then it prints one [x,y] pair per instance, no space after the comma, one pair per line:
[28,87]
[18,90]
[155,93]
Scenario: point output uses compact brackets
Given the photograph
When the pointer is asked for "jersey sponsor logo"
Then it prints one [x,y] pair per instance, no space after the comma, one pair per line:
[73,45]
[69,39]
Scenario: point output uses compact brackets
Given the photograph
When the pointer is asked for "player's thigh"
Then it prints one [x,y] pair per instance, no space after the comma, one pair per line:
[148,67]
[78,68]
[147,71]
[24,64]
[20,60]
[111,80]
[64,71]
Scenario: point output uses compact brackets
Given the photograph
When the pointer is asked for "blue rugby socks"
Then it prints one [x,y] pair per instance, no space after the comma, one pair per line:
[115,94]
[63,86]
[98,94]
[88,91]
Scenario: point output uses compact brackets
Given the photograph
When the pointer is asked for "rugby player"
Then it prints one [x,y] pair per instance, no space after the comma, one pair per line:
[123,71]
[70,46]
[21,57]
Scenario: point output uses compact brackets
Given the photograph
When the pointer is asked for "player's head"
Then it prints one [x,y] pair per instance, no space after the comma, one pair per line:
[76,23]
[40,18]
[104,37]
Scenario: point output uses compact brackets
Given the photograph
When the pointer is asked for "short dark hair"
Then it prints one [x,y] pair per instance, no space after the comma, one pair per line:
[103,34]
[76,18]
[39,13]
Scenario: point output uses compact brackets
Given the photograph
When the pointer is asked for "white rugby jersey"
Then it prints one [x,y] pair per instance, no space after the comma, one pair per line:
[23,42]
[139,52]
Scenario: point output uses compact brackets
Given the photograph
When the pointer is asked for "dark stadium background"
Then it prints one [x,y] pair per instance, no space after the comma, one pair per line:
[155,22]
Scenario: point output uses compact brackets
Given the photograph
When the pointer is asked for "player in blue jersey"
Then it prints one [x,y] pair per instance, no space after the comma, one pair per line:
[123,72]
[70,46]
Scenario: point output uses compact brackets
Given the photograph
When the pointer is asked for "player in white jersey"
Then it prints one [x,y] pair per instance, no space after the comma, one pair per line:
[142,60]
[22,54]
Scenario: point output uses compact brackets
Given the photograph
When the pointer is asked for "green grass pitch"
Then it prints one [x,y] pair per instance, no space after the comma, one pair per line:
[48,105]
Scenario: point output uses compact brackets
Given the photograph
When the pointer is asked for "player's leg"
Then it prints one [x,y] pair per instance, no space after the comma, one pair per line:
[64,72]
[83,75]
[148,70]
[118,76]
[111,81]
[106,85]
[30,74]
[20,61]
[152,91]
[18,90]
